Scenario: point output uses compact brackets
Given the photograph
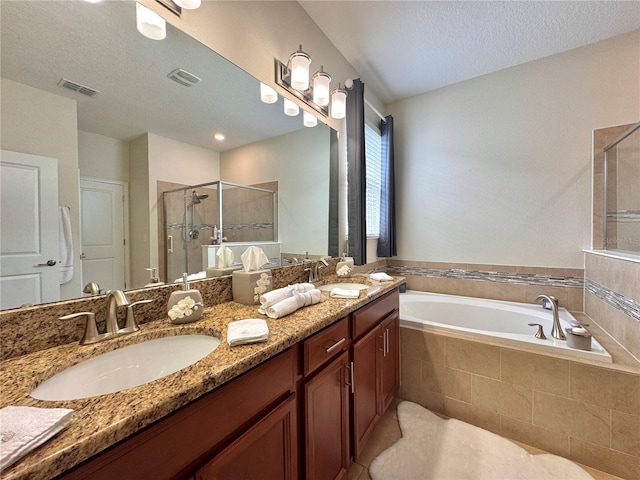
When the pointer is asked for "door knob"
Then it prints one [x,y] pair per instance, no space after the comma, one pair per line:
[50,263]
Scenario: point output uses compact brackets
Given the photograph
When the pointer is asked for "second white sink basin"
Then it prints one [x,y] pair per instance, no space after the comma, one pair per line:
[126,367]
[345,286]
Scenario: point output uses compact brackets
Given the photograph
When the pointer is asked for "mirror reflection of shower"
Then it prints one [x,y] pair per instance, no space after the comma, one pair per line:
[191,230]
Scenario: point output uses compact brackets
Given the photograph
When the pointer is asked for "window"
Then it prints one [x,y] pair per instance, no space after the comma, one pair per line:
[373,160]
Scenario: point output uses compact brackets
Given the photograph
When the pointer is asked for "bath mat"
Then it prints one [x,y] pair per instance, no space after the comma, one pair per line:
[432,448]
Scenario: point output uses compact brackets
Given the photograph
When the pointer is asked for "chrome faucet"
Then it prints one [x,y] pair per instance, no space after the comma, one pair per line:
[115,299]
[556,330]
[315,275]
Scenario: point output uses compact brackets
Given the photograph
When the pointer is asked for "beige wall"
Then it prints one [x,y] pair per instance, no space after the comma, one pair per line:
[103,157]
[497,169]
[299,161]
[40,123]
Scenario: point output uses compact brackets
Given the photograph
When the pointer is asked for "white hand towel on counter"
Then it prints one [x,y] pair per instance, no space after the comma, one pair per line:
[275,296]
[291,304]
[65,247]
[22,429]
[250,330]
[338,292]
[380,277]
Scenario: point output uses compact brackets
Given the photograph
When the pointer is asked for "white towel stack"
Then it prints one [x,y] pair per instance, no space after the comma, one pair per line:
[24,428]
[250,330]
[380,277]
[338,292]
[274,296]
[293,303]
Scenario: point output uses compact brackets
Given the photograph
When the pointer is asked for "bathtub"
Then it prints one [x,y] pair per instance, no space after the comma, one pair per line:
[491,321]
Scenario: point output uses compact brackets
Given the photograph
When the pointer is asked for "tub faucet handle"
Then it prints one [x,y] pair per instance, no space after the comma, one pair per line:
[540,333]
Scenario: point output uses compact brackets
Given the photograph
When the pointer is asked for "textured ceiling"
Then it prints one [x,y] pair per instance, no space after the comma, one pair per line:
[403,48]
[97,45]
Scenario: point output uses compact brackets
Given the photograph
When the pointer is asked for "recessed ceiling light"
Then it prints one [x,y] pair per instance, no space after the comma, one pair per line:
[218,136]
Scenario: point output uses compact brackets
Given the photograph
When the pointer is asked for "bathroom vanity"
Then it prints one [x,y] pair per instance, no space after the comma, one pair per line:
[298,406]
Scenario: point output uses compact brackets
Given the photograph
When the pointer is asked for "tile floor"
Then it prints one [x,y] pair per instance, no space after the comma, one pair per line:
[387,432]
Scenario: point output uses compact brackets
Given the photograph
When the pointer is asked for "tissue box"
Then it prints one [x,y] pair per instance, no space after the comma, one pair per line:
[220,272]
[248,286]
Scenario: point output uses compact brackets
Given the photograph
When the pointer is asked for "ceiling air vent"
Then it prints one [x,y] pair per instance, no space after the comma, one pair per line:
[183,77]
[76,87]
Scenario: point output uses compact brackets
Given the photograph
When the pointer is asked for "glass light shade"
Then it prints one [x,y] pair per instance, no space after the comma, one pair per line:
[338,104]
[321,81]
[149,23]
[188,4]
[290,108]
[268,94]
[300,70]
[309,119]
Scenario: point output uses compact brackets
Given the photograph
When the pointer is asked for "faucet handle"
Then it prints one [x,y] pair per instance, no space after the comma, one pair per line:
[131,325]
[90,330]
[540,333]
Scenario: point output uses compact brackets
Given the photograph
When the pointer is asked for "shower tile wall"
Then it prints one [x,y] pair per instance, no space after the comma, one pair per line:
[498,282]
[586,413]
[248,214]
[612,298]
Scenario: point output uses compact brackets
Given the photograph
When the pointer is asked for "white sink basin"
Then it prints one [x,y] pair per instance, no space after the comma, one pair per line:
[126,367]
[345,286]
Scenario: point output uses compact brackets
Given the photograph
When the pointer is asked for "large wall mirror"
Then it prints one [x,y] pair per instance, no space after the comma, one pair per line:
[144,132]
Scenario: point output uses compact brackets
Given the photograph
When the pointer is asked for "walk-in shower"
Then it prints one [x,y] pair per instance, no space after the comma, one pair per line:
[622,193]
[215,213]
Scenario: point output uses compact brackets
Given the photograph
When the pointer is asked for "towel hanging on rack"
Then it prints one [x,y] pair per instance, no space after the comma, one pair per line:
[65,245]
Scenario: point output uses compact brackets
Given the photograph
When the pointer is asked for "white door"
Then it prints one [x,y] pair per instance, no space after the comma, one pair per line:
[102,233]
[28,229]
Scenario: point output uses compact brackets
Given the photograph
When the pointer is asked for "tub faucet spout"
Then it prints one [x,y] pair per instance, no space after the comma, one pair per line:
[556,330]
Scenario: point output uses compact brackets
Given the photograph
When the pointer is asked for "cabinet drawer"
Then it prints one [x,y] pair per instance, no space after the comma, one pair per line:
[370,315]
[325,345]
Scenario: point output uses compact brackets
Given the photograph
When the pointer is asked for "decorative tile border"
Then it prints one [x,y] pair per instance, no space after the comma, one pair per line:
[615,299]
[489,276]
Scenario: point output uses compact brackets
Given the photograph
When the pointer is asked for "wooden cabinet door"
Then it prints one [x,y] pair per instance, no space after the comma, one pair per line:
[326,403]
[366,378]
[389,360]
[267,451]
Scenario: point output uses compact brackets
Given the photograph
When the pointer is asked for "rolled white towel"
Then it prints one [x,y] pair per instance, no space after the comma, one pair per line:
[250,330]
[380,277]
[275,296]
[24,428]
[291,304]
[338,292]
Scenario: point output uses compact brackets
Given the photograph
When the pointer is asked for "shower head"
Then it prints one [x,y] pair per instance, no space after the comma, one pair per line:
[195,199]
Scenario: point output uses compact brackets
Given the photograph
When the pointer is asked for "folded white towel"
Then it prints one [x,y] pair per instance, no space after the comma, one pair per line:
[65,246]
[291,304]
[275,296]
[380,277]
[338,292]
[250,330]
[24,428]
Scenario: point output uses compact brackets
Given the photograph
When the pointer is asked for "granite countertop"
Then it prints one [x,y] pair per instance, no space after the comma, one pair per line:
[99,422]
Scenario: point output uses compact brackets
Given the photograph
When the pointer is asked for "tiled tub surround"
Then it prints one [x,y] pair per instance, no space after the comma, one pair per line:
[612,298]
[498,282]
[99,422]
[583,412]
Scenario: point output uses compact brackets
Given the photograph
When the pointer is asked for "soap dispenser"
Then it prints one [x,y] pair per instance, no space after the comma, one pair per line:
[185,306]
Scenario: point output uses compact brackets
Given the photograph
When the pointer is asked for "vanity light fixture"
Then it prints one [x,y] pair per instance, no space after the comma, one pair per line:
[294,78]
[300,62]
[290,108]
[268,94]
[338,103]
[309,119]
[188,4]
[321,81]
[149,23]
